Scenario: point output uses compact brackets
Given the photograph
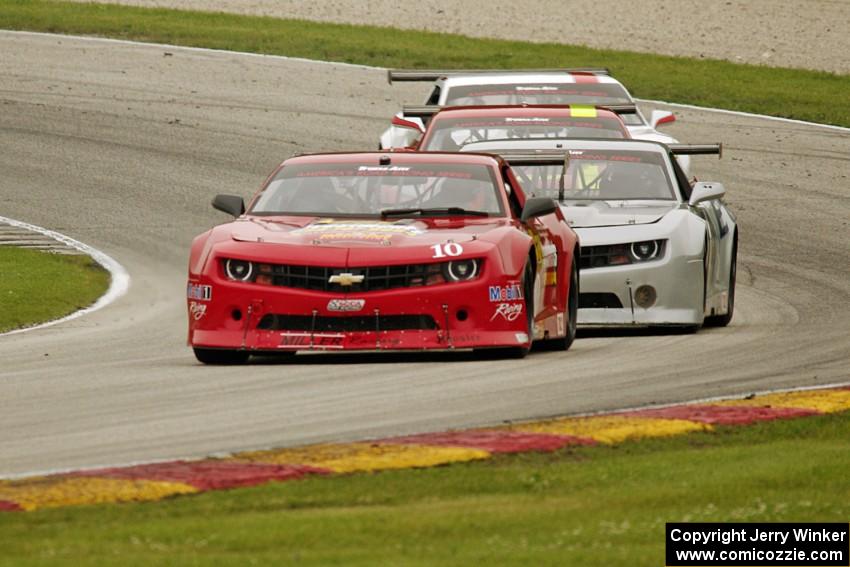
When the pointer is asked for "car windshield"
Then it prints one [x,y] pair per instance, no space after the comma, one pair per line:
[451,134]
[600,175]
[350,189]
[597,94]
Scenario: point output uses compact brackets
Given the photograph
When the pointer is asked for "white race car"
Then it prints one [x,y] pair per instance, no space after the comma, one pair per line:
[655,249]
[590,86]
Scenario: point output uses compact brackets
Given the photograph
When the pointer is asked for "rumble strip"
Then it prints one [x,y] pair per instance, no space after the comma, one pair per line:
[161,480]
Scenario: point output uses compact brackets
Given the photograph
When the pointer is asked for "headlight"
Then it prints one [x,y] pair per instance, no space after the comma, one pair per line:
[239,270]
[461,270]
[646,250]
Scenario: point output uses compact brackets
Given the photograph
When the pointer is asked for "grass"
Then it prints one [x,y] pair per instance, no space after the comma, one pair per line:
[37,286]
[586,506]
[792,93]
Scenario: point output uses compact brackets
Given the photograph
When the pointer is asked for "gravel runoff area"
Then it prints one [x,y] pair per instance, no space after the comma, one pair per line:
[814,34]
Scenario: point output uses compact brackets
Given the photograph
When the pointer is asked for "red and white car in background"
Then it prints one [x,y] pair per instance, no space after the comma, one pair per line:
[586,86]
[369,251]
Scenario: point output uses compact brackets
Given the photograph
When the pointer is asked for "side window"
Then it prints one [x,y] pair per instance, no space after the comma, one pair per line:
[513,196]
[434,98]
[681,178]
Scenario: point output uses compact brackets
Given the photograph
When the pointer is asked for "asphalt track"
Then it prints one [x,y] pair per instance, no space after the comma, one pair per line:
[123,146]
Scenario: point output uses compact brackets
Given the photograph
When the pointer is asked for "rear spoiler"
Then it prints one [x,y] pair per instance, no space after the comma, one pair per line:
[429,110]
[430,75]
[557,157]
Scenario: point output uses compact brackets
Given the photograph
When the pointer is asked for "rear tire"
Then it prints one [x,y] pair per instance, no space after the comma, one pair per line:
[723,320]
[564,343]
[221,357]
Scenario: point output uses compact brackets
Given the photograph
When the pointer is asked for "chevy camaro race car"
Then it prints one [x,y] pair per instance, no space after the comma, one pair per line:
[656,250]
[587,86]
[368,251]
[451,128]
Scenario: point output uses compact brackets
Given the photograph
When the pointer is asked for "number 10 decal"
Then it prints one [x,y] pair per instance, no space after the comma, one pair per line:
[451,249]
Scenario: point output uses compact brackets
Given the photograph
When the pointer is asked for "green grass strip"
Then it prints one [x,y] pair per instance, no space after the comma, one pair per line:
[805,95]
[37,286]
[585,506]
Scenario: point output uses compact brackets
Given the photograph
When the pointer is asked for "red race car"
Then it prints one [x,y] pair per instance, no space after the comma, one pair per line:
[369,251]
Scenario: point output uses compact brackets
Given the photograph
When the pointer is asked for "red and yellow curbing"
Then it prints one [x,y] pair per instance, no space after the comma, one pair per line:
[156,481]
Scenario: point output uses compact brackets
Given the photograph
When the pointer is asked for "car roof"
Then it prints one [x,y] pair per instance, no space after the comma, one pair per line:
[497,78]
[395,158]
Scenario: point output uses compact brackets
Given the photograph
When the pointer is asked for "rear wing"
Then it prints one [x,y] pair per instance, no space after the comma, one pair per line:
[427,111]
[558,157]
[431,75]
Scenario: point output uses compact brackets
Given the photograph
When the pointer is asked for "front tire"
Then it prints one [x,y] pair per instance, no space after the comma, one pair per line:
[221,357]
[723,320]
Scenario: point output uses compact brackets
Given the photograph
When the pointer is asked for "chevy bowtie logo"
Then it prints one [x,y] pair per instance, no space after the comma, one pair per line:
[346,280]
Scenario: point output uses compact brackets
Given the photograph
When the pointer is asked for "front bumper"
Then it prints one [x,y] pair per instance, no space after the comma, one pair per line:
[267,318]
[677,281]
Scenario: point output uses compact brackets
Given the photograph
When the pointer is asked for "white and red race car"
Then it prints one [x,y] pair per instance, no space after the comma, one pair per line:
[587,86]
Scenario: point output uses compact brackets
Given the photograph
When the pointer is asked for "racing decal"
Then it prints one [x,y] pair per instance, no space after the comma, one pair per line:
[562,329]
[346,305]
[582,111]
[508,311]
[447,249]
[510,292]
[197,310]
[322,341]
[329,231]
[198,291]
[521,338]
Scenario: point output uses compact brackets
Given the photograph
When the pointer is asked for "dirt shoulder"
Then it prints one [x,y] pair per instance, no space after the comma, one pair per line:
[781,33]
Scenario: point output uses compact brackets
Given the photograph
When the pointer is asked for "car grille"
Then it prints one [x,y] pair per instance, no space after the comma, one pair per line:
[600,256]
[360,323]
[375,278]
[598,301]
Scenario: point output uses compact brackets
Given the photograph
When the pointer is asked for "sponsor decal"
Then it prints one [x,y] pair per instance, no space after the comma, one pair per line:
[197,310]
[527,119]
[508,311]
[329,231]
[198,291]
[322,341]
[346,305]
[521,337]
[562,328]
[382,168]
[510,292]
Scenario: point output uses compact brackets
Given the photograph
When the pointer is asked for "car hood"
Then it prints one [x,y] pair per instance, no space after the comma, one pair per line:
[614,213]
[359,233]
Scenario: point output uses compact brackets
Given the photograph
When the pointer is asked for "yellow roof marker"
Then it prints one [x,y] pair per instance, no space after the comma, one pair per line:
[612,428]
[582,111]
[55,492]
[365,457]
[825,401]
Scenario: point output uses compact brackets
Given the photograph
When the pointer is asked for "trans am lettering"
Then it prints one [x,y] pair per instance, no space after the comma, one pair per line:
[508,311]
[510,292]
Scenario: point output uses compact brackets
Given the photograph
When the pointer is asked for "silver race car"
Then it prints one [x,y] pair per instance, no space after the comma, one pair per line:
[655,249]
[587,86]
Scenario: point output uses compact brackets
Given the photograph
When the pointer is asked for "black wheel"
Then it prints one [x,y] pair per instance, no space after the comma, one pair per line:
[221,357]
[723,320]
[528,291]
[564,343]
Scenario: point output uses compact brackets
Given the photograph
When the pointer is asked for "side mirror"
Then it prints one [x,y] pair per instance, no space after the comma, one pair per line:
[230,204]
[706,192]
[659,117]
[537,207]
